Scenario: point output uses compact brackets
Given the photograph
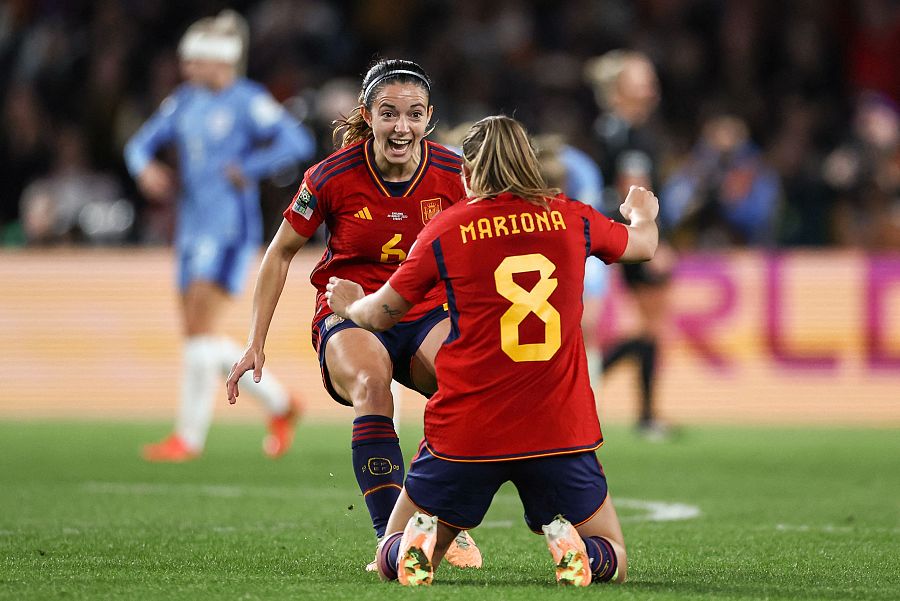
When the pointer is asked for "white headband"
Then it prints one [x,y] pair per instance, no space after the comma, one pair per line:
[200,45]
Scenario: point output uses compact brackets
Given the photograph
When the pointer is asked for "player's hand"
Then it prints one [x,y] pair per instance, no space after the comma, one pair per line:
[640,204]
[236,176]
[157,182]
[253,358]
[341,294]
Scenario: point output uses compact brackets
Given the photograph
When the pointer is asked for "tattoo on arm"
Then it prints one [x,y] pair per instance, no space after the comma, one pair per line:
[394,313]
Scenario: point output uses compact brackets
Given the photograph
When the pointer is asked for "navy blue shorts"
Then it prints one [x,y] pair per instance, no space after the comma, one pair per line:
[401,342]
[459,493]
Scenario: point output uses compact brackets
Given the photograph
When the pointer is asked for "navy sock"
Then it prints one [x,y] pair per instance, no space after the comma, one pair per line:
[387,557]
[378,465]
[604,563]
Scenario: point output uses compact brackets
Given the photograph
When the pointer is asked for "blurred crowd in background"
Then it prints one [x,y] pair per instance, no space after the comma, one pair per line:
[772,123]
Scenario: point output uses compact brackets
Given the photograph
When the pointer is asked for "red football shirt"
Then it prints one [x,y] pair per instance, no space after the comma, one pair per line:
[512,375]
[370,230]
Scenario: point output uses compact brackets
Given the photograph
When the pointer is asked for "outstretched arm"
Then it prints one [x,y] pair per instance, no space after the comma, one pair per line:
[269,285]
[376,312]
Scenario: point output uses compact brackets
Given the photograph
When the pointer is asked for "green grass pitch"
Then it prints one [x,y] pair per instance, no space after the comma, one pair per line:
[783,514]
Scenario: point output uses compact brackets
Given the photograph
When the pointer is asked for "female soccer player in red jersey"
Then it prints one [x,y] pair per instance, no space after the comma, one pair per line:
[374,194]
[514,402]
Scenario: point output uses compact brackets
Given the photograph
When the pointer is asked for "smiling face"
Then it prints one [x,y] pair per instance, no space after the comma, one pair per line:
[398,117]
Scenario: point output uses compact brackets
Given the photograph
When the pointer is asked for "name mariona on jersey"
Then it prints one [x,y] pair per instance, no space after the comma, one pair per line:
[510,225]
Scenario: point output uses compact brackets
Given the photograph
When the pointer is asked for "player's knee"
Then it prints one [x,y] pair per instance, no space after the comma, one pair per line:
[371,394]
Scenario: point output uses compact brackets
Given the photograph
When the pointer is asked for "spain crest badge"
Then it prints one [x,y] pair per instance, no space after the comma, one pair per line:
[430,208]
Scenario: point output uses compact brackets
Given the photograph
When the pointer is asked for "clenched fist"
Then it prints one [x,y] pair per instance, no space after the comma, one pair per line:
[640,204]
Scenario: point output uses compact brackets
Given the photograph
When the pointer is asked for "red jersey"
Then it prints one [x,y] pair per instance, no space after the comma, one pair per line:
[512,375]
[371,228]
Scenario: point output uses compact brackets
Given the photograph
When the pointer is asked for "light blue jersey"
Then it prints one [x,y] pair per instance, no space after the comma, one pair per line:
[220,226]
[584,181]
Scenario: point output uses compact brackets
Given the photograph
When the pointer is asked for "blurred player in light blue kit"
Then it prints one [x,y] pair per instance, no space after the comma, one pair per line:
[578,175]
[229,133]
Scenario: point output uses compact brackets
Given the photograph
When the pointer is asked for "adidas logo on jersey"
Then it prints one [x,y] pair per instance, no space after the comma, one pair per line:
[363,214]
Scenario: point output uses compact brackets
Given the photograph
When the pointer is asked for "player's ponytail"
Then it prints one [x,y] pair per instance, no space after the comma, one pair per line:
[353,127]
[500,158]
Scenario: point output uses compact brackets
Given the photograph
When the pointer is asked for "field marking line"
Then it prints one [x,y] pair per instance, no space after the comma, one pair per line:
[652,511]
[657,511]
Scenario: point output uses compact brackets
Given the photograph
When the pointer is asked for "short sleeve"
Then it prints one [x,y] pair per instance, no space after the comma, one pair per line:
[418,274]
[307,209]
[607,239]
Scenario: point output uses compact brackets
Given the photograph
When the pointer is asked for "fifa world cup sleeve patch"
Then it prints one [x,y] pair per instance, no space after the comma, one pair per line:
[304,202]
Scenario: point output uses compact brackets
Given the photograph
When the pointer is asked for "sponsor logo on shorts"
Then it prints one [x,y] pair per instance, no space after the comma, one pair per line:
[332,320]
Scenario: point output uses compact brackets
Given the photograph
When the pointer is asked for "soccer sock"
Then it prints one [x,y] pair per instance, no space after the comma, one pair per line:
[378,465]
[198,385]
[268,390]
[604,564]
[647,353]
[387,556]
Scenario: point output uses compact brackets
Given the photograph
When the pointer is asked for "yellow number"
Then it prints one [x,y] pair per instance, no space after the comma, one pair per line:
[525,302]
[389,254]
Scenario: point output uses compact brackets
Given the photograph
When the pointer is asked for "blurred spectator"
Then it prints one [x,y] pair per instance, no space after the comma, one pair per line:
[790,69]
[863,176]
[25,154]
[725,193]
[74,203]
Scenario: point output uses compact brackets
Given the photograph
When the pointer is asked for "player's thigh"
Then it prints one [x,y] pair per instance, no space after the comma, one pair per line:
[571,485]
[357,361]
[605,523]
[203,306]
[421,368]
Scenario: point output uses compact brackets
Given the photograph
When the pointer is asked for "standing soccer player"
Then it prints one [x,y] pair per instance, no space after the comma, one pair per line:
[514,401]
[375,195]
[229,133]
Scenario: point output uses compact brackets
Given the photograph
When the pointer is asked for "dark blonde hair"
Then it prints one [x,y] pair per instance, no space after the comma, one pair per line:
[500,158]
[353,128]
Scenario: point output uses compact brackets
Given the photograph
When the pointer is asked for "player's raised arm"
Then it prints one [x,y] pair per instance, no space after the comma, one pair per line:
[376,312]
[640,209]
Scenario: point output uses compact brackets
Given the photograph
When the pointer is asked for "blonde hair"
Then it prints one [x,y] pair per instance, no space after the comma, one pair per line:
[500,158]
[603,72]
[227,25]
[353,128]
[230,23]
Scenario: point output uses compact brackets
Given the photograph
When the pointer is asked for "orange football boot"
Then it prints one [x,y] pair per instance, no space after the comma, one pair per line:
[414,567]
[281,431]
[463,552]
[170,450]
[573,566]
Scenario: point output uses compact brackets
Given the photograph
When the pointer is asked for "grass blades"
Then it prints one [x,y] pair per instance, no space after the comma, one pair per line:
[765,514]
